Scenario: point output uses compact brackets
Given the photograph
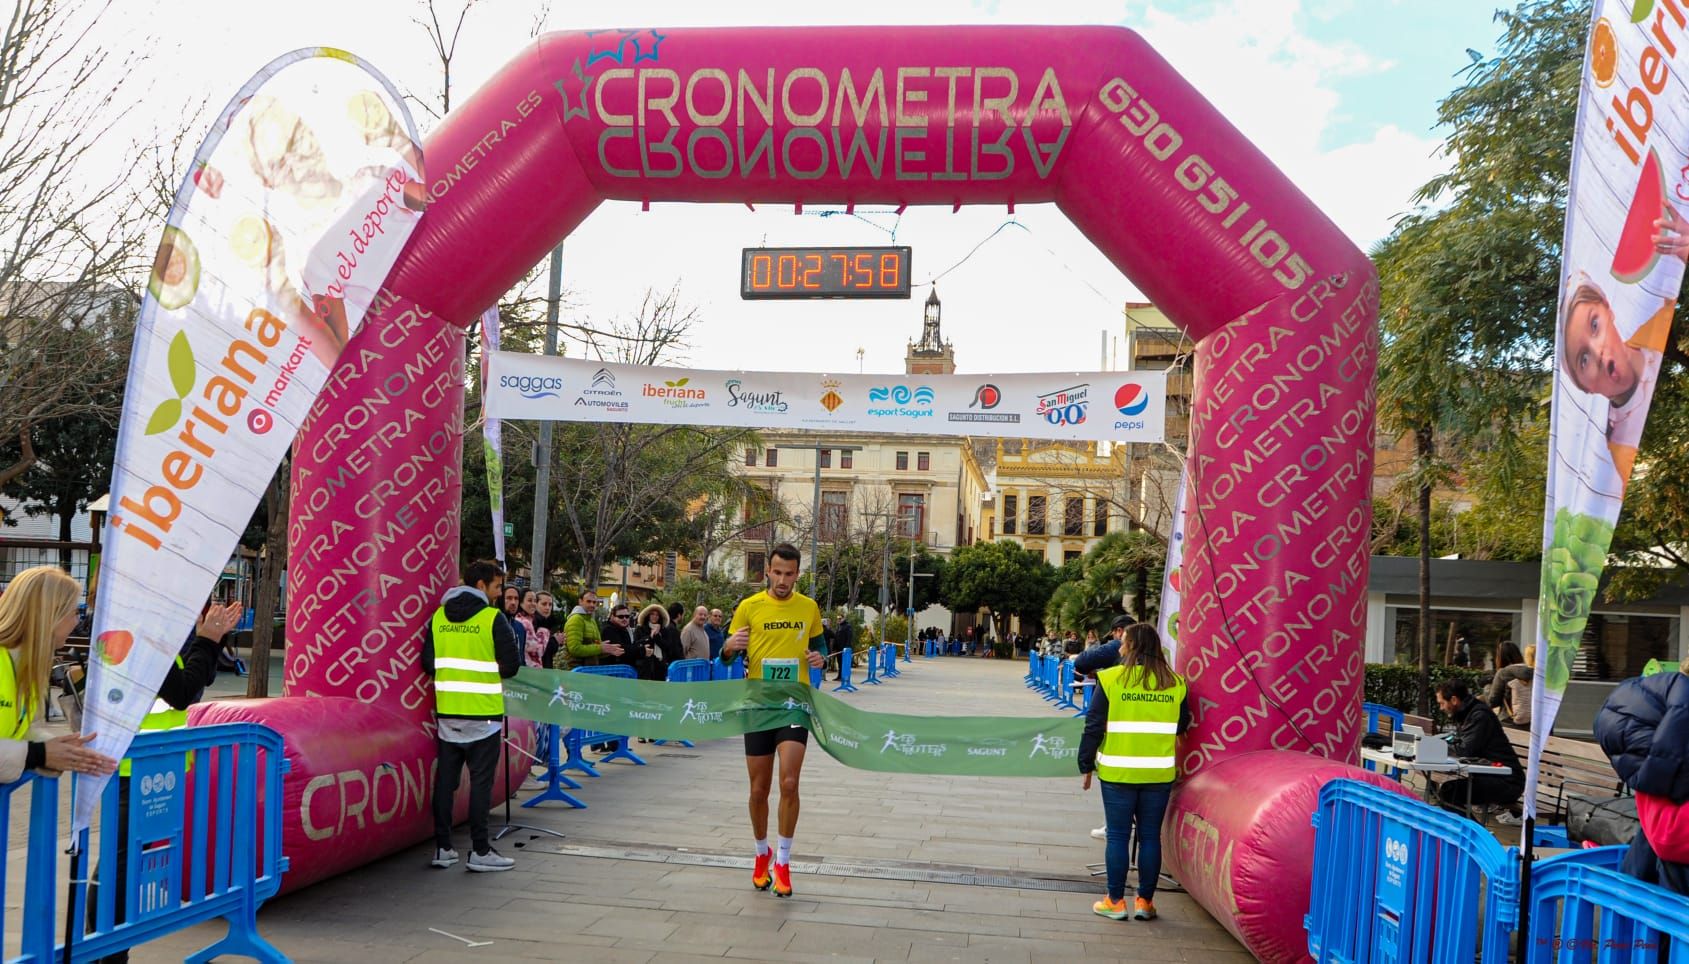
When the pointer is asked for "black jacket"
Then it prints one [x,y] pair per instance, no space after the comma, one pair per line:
[185,685]
[1479,734]
[1644,729]
[461,604]
[621,635]
[1098,658]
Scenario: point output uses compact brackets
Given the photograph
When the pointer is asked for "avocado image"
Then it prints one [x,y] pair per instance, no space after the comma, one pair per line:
[175,271]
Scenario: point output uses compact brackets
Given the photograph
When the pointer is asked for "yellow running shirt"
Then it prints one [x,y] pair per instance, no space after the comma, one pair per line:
[779,630]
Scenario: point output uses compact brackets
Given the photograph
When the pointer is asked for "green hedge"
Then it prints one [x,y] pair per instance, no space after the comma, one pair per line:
[1393,684]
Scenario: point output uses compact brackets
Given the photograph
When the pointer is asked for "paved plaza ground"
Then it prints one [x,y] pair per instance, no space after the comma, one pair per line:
[886,867]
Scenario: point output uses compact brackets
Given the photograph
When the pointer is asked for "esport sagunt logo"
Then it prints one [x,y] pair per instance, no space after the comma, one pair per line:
[905,402]
[532,386]
[1131,399]
[1068,406]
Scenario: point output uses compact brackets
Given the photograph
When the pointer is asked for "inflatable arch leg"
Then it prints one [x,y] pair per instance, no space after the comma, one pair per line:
[1283,306]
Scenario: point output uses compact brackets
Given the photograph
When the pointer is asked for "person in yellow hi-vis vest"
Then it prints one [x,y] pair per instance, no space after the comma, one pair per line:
[470,648]
[37,613]
[1136,715]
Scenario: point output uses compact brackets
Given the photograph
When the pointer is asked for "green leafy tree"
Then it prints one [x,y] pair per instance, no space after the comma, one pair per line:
[1469,280]
[1000,576]
[1120,564]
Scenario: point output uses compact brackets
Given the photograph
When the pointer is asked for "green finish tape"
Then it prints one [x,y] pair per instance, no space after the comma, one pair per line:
[986,746]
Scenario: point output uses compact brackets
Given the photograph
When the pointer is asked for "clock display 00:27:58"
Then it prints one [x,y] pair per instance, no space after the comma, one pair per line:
[858,272]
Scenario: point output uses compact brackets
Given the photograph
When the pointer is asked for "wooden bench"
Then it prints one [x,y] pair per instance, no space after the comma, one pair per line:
[1569,768]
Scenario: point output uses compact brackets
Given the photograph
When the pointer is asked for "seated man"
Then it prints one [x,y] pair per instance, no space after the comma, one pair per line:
[1478,735]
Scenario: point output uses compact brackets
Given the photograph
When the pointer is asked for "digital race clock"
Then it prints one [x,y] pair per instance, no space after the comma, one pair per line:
[767,273]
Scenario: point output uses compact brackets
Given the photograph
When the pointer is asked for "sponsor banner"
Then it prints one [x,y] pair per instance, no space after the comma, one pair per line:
[277,245]
[1172,581]
[1625,245]
[1073,407]
[492,433]
[962,745]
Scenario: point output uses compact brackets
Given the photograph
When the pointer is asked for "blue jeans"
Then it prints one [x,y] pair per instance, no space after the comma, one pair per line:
[1146,805]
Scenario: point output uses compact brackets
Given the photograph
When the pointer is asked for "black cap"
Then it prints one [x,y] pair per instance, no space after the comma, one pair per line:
[1121,622]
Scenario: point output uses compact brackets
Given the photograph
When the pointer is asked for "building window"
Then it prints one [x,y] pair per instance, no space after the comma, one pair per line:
[754,562]
[826,458]
[845,459]
[1073,517]
[911,515]
[923,461]
[750,456]
[1035,515]
[772,459]
[1100,527]
[835,515]
[761,531]
[903,461]
[1069,555]
[1011,503]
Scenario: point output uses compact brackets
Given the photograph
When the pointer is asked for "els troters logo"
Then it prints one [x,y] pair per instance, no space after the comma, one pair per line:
[183,464]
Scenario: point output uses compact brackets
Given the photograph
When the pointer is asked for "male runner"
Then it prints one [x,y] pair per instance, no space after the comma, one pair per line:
[775,629]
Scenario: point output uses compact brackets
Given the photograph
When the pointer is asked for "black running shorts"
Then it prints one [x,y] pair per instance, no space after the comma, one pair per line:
[763,742]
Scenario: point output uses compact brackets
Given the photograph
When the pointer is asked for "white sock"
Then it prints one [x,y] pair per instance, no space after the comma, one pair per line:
[762,847]
[784,854]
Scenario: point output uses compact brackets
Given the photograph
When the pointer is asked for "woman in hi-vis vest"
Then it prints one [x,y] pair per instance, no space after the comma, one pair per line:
[37,613]
[1137,712]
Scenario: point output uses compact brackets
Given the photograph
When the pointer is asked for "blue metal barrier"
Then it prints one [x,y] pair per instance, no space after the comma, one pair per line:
[846,657]
[178,844]
[576,738]
[689,671]
[906,657]
[733,670]
[1584,910]
[1031,678]
[888,661]
[872,679]
[554,777]
[1089,690]
[1397,880]
[1064,686]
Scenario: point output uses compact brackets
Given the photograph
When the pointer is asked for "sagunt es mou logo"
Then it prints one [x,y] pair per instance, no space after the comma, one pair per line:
[183,466]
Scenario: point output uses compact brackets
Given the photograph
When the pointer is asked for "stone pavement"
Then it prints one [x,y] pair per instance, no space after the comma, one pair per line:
[888,867]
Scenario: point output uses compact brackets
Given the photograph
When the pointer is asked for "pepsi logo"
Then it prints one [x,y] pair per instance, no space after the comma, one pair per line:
[1131,399]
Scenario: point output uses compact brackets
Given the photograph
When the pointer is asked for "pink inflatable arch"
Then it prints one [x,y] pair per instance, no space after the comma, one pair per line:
[1284,307]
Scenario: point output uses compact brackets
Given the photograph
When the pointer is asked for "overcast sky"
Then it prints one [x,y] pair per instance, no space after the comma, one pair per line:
[1341,94]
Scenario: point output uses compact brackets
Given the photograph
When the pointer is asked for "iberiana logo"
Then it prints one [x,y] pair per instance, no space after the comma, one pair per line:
[532,386]
[906,402]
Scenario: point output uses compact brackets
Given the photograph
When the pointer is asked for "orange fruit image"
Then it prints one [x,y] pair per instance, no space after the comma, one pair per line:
[1603,53]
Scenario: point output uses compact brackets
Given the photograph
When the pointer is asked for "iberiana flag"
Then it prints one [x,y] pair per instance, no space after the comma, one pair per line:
[294,210]
[1626,241]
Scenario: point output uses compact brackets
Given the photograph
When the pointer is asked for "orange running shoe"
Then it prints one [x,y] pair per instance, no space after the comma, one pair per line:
[1142,909]
[759,873]
[1112,909]
[782,880]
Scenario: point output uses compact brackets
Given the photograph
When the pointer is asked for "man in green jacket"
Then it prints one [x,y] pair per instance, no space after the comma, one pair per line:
[582,641]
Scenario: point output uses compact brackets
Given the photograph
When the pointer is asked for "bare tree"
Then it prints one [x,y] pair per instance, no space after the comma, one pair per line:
[72,230]
[445,49]
[630,489]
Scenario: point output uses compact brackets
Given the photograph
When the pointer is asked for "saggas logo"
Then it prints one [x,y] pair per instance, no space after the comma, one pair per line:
[532,386]
[183,464]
